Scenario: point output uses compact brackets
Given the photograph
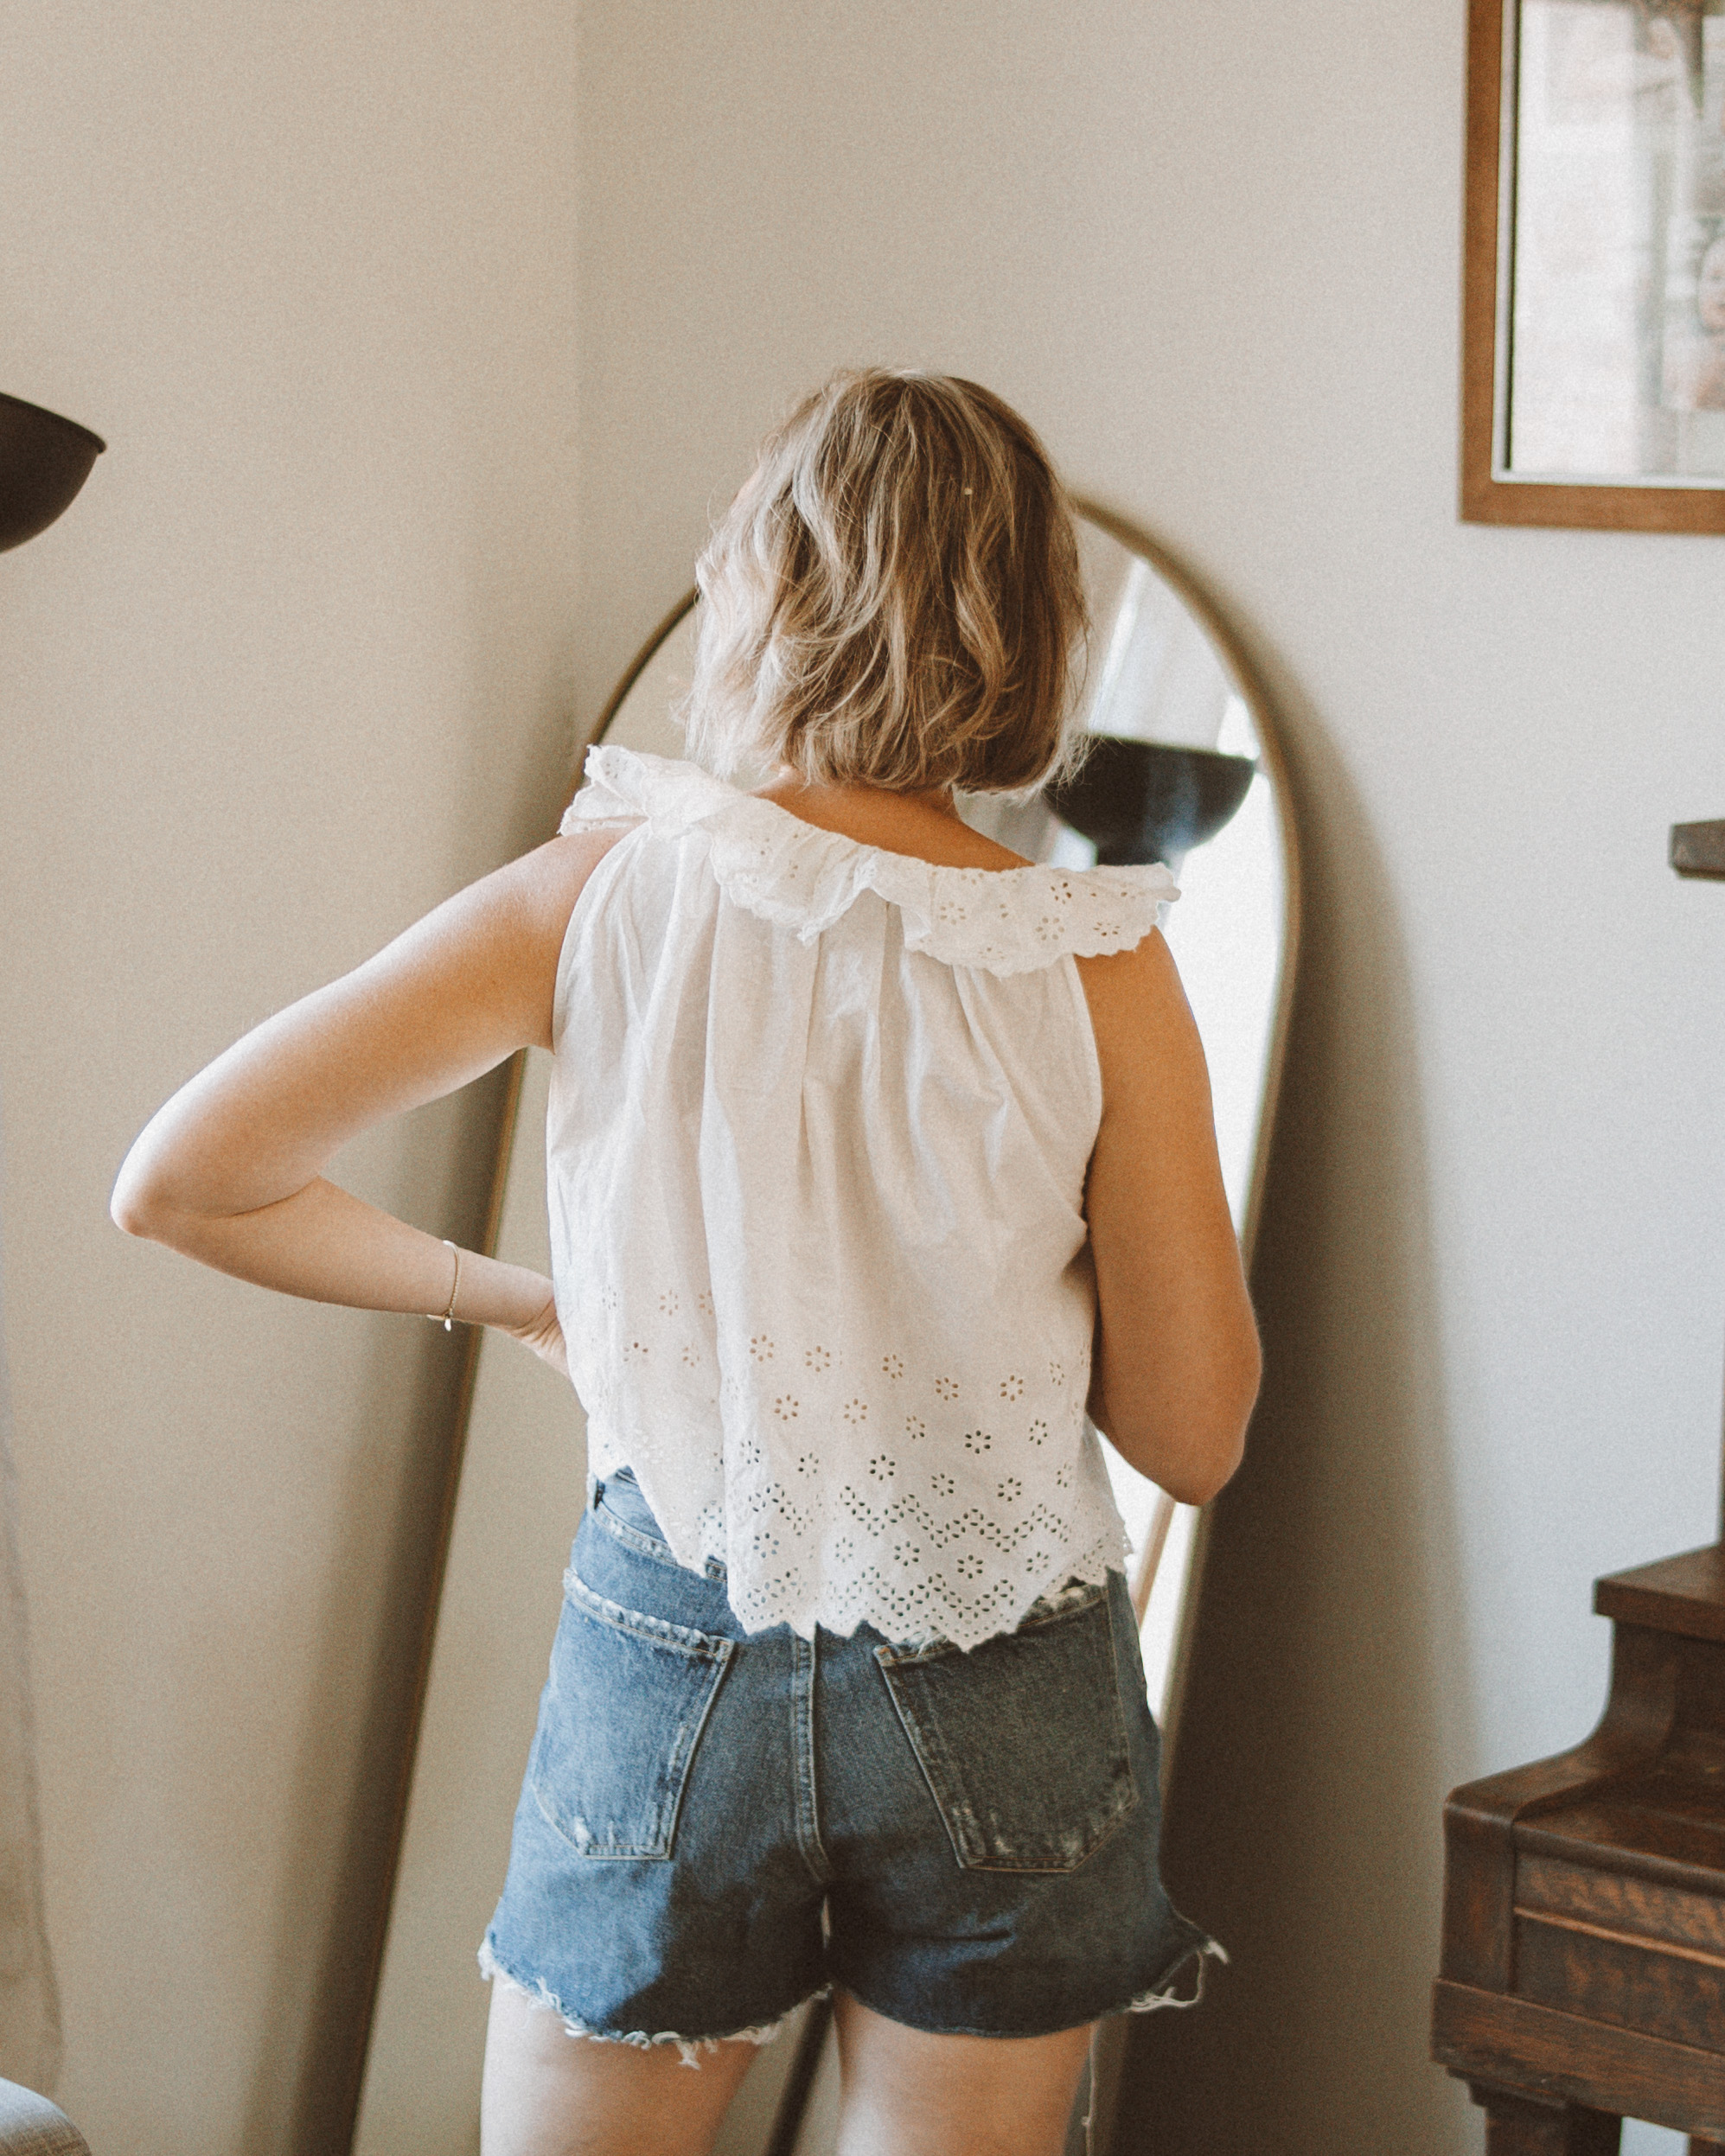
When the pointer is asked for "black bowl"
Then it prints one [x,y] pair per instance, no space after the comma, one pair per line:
[44,460]
[1142,801]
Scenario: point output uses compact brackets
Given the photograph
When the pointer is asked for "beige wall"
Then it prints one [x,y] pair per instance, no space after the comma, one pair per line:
[1213,251]
[293,667]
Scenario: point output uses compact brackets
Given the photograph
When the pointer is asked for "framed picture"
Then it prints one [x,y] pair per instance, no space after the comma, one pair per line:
[1594,308]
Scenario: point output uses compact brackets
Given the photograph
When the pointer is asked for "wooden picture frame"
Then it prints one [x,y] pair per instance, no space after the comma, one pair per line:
[1492,491]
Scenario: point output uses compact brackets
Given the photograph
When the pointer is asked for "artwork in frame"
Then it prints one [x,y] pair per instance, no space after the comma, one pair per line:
[1594,308]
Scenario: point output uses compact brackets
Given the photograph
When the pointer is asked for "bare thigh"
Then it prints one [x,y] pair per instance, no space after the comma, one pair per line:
[905,2093]
[547,2093]
[910,2094]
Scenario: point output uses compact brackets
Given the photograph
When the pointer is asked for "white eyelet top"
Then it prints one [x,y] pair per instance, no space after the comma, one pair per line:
[819,1121]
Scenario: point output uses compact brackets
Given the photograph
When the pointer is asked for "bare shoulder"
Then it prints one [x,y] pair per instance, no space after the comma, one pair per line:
[534,898]
[1128,986]
[1140,1015]
[546,882]
[484,963]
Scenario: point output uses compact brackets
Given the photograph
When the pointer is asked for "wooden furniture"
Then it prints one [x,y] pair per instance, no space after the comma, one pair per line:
[1583,1970]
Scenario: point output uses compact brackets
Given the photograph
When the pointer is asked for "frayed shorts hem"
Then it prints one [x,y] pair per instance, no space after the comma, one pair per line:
[1162,1994]
[540,1993]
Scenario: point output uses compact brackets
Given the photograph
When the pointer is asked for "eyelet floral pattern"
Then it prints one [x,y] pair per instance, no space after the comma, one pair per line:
[845,1357]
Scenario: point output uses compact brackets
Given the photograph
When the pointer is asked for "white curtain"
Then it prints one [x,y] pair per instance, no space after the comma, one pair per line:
[30,2005]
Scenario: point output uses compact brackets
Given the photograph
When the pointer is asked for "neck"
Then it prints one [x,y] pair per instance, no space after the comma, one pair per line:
[925,823]
[788,788]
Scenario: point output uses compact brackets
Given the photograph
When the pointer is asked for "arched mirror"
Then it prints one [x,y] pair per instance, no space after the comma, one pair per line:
[1189,772]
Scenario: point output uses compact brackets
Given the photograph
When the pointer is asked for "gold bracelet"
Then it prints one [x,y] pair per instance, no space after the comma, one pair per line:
[448,1318]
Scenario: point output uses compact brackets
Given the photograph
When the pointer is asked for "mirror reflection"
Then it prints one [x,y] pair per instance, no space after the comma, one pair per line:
[1187,772]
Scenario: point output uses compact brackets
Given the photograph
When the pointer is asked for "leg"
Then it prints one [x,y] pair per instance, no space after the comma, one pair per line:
[547,2093]
[909,2093]
[1532,2126]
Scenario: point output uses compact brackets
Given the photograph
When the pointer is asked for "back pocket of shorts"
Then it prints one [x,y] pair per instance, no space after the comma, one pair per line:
[622,1713]
[1021,1741]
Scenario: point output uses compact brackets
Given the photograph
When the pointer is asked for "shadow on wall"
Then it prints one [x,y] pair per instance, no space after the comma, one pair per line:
[1327,1687]
[307,2082]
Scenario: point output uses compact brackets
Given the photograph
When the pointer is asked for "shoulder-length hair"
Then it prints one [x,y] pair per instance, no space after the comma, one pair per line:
[893,599]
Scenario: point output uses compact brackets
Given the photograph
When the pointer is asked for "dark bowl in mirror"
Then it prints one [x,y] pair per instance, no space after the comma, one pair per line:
[44,460]
[1143,800]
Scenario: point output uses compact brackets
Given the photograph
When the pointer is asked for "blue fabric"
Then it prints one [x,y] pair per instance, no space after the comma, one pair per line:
[715,1825]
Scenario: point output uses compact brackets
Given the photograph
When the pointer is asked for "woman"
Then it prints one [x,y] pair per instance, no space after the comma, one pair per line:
[877,1155]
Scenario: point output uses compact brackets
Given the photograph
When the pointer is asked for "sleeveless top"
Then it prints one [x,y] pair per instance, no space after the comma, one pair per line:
[819,1121]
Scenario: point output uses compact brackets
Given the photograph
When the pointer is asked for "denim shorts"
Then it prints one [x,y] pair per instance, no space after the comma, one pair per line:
[716,1825]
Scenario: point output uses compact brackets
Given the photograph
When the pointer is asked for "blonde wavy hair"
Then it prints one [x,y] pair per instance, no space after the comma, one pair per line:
[893,599]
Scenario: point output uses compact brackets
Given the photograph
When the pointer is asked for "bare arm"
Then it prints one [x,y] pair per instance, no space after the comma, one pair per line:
[229,1171]
[1175,1363]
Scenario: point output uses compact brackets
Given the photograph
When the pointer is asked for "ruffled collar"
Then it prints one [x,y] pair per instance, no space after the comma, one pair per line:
[791,873]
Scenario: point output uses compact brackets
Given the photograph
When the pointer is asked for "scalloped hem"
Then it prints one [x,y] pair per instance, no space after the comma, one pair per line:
[1153,2001]
[1074,1577]
[542,1995]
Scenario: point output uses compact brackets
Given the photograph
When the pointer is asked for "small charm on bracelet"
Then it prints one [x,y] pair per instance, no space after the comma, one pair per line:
[446,1319]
